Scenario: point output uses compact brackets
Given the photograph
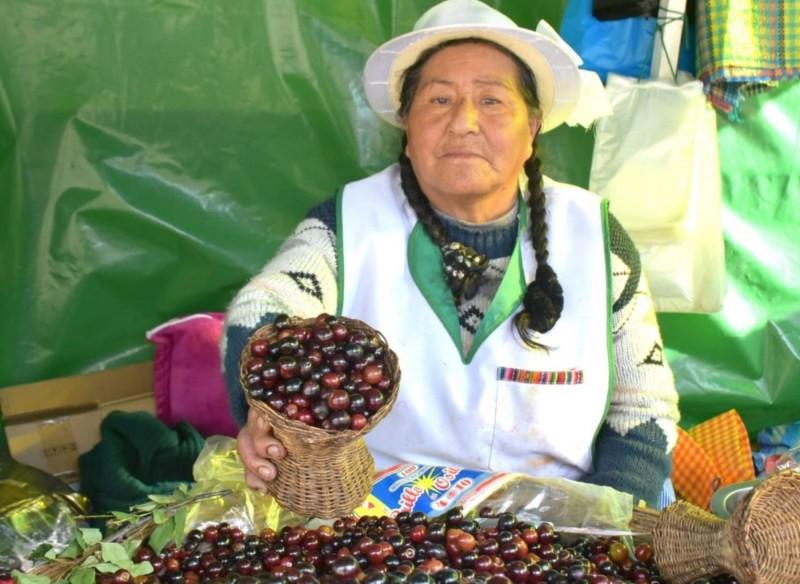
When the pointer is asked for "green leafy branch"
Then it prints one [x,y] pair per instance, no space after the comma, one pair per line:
[80,561]
[89,553]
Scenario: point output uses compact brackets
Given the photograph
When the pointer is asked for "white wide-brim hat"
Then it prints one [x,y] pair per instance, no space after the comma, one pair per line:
[552,62]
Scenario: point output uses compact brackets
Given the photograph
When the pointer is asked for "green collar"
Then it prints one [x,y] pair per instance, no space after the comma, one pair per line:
[425,264]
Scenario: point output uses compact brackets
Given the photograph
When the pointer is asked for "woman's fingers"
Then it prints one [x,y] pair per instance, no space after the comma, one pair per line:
[266,445]
[256,446]
[254,482]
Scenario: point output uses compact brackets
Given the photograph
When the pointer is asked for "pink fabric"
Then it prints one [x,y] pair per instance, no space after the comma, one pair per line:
[187,374]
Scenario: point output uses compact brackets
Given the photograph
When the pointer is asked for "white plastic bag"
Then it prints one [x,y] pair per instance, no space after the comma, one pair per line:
[655,159]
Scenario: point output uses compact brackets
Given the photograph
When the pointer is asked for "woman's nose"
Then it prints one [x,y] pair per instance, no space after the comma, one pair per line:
[465,117]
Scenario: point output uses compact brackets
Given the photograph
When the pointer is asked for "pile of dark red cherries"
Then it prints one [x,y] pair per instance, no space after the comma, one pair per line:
[410,548]
[329,375]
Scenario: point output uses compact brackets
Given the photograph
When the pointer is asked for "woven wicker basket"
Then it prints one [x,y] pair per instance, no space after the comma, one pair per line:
[325,473]
[760,544]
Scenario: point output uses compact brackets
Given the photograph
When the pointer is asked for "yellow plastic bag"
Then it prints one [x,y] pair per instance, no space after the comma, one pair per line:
[218,467]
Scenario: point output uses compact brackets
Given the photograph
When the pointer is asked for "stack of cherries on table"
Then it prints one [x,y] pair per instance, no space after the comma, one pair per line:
[409,548]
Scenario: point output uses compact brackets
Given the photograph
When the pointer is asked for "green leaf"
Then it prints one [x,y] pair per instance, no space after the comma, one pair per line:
[125,565]
[82,576]
[183,488]
[159,516]
[79,540]
[90,535]
[121,516]
[71,551]
[141,569]
[149,506]
[161,535]
[106,567]
[131,546]
[163,499]
[22,578]
[180,524]
[51,554]
[113,552]
[89,561]
[40,551]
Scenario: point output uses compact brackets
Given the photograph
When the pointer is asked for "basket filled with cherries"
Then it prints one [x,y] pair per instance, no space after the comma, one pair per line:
[322,383]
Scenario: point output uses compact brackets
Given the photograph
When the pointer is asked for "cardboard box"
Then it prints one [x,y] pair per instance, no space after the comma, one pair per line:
[50,423]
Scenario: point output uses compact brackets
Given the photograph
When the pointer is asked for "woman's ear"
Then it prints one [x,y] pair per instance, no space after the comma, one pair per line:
[535,123]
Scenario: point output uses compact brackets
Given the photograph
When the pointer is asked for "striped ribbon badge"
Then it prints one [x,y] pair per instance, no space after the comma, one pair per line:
[564,377]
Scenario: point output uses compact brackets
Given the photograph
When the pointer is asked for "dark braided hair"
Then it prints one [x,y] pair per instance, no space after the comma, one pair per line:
[544,298]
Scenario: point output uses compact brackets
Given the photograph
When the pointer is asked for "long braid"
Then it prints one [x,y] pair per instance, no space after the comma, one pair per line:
[419,202]
[544,298]
[463,266]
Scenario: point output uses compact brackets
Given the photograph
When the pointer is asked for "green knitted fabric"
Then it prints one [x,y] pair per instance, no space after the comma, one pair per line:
[137,456]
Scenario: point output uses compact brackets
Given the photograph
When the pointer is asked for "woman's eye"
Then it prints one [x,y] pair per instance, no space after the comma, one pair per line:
[440,100]
[490,100]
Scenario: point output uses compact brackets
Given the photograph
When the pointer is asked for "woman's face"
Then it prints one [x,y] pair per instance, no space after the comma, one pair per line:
[469,131]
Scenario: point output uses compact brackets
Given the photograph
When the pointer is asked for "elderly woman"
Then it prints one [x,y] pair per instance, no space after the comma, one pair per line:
[516,305]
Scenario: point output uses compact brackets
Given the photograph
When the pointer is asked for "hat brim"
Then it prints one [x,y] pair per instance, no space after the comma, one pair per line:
[557,76]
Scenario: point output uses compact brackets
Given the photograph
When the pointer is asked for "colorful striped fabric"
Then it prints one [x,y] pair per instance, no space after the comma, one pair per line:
[746,46]
[567,377]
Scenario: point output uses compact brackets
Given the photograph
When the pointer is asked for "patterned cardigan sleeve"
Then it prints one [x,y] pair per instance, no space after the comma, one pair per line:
[633,448]
[300,280]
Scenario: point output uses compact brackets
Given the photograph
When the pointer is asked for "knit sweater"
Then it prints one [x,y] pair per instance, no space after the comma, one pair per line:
[632,449]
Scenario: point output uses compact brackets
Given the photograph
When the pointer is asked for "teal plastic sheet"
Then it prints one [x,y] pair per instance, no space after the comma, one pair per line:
[154,154]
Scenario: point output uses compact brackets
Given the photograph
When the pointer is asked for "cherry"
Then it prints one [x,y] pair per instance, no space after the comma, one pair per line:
[269,375]
[375,399]
[618,552]
[293,386]
[306,416]
[358,403]
[289,345]
[339,362]
[340,332]
[644,553]
[323,334]
[259,348]
[277,402]
[372,373]
[331,380]
[339,399]
[345,566]
[358,421]
[340,420]
[418,534]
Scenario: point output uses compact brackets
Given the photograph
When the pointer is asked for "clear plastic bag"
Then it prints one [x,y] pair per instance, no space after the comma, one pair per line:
[564,503]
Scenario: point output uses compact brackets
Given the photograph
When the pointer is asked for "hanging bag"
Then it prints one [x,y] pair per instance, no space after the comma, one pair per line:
[655,158]
[615,46]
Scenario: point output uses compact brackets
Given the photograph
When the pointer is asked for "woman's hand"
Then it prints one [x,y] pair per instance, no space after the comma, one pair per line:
[257,446]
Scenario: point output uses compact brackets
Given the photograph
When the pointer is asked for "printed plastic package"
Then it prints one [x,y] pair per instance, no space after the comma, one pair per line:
[436,489]
[409,487]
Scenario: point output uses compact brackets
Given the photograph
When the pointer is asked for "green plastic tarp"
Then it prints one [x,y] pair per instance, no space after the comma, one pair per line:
[154,154]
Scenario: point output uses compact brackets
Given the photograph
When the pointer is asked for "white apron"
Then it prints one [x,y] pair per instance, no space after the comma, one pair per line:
[502,407]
